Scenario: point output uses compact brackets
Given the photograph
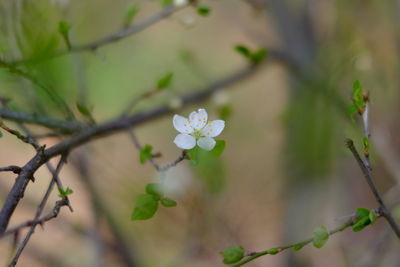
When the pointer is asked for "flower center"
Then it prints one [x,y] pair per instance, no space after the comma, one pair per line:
[197,134]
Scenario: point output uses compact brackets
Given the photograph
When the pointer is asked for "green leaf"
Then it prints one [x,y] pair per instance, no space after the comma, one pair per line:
[167,202]
[63,27]
[258,56]
[155,190]
[352,110]
[165,81]
[1,134]
[372,216]
[225,112]
[357,96]
[84,110]
[146,207]
[366,143]
[232,254]
[203,10]
[362,212]
[321,235]
[145,153]
[130,13]
[65,193]
[297,247]
[243,50]
[361,224]
[219,148]
[273,251]
[362,219]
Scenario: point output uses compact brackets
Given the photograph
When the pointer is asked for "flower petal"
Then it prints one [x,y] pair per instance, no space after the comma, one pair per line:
[198,119]
[182,124]
[213,128]
[185,141]
[206,143]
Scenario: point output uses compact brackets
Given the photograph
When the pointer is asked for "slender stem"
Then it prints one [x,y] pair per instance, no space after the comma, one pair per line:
[254,255]
[368,177]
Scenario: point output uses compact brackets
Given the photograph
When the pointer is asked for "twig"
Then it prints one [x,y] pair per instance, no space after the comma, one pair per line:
[254,255]
[38,211]
[12,168]
[113,37]
[368,177]
[25,139]
[52,214]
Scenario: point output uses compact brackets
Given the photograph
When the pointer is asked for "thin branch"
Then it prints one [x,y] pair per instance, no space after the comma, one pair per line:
[39,211]
[139,147]
[63,126]
[25,139]
[12,168]
[51,215]
[368,177]
[115,36]
[254,255]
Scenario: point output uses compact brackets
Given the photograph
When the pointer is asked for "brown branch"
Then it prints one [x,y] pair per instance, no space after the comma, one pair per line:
[368,177]
[38,211]
[51,215]
[63,126]
[12,168]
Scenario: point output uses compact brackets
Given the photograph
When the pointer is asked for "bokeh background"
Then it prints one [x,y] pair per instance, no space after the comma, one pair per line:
[285,169]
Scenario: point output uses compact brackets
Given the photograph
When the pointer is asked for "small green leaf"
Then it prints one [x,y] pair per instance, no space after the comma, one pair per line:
[362,219]
[241,49]
[155,190]
[366,143]
[165,81]
[258,56]
[203,10]
[225,112]
[1,134]
[362,212]
[145,153]
[167,202]
[352,110]
[146,207]
[130,13]
[84,110]
[297,247]
[357,96]
[232,254]
[63,27]
[372,216]
[361,224]
[65,193]
[219,148]
[321,235]
[273,251]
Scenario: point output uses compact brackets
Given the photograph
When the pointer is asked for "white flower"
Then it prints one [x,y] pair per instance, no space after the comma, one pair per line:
[179,3]
[196,129]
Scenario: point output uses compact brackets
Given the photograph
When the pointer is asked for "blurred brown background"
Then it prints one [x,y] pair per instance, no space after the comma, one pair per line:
[285,169]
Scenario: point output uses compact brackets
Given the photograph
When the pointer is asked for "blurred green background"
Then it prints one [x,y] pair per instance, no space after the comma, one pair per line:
[285,169]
